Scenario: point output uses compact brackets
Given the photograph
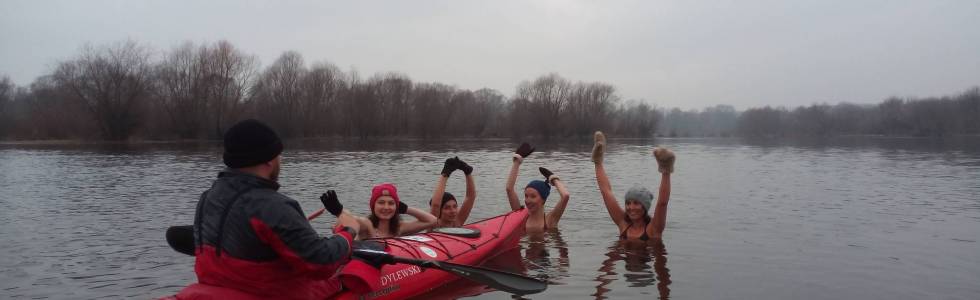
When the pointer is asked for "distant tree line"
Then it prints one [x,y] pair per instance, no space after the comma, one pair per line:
[935,116]
[122,90]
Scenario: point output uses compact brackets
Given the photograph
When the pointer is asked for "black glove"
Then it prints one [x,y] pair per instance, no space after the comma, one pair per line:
[449,166]
[373,253]
[467,169]
[331,203]
[402,207]
[524,150]
[548,175]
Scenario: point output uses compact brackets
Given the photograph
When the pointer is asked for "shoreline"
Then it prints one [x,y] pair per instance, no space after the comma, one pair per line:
[71,142]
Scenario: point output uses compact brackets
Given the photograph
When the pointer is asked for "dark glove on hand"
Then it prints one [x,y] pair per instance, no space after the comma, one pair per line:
[467,169]
[524,150]
[548,175]
[402,207]
[331,203]
[449,166]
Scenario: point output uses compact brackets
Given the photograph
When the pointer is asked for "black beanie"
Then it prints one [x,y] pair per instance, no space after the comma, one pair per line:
[249,143]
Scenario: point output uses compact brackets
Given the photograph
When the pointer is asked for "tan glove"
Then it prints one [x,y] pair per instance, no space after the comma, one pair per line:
[665,159]
[599,148]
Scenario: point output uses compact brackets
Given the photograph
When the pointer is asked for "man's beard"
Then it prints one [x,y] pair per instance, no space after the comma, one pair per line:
[274,176]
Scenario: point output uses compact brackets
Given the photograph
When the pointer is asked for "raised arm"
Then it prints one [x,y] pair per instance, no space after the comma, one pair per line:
[464,211]
[605,188]
[665,162]
[423,221]
[555,215]
[436,201]
[522,152]
[360,225]
[616,212]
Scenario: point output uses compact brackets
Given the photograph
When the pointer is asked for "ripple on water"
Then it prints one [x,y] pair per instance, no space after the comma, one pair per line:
[746,220]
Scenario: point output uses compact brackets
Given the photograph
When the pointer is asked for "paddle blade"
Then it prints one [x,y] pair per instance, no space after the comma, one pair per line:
[181,239]
[500,280]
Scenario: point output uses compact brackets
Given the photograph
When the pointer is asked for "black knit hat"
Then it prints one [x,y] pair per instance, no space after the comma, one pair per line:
[249,143]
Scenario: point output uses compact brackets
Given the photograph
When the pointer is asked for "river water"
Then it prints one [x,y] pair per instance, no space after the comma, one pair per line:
[856,218]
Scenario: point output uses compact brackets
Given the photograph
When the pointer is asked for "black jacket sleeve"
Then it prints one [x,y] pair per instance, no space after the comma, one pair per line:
[280,223]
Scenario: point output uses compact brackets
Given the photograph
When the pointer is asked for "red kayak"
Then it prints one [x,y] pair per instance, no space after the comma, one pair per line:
[471,244]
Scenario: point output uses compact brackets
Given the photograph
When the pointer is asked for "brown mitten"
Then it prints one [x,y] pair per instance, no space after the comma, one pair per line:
[599,148]
[665,159]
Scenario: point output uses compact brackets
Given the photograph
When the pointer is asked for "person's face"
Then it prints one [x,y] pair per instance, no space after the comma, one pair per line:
[384,207]
[532,199]
[449,211]
[634,210]
[276,162]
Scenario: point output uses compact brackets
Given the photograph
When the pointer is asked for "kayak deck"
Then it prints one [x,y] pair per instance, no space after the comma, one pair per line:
[497,235]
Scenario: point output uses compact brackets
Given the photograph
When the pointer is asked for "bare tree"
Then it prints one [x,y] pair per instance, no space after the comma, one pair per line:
[431,108]
[589,108]
[394,95]
[182,89]
[490,113]
[813,120]
[7,88]
[113,81]
[762,122]
[230,77]
[322,89]
[278,92]
[48,110]
[637,119]
[522,118]
[549,94]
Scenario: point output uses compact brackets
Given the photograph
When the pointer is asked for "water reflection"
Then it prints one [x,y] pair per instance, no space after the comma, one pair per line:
[86,221]
[508,261]
[640,257]
[538,256]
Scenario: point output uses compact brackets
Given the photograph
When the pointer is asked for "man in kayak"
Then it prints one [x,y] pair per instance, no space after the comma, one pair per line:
[634,222]
[535,194]
[444,205]
[250,238]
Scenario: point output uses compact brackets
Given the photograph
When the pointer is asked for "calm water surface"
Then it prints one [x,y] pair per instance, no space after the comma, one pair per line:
[855,219]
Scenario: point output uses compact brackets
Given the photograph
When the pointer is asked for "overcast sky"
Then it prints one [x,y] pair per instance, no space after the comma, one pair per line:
[687,54]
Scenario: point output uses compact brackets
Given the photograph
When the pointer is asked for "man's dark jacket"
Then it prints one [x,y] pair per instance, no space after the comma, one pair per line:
[251,238]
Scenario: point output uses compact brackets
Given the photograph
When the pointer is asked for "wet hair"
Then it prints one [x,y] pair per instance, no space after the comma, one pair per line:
[393,225]
[446,197]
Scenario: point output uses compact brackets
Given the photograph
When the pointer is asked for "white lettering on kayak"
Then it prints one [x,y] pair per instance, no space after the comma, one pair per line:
[399,275]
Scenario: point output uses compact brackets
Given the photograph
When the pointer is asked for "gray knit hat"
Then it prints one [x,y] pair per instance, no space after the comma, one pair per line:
[642,195]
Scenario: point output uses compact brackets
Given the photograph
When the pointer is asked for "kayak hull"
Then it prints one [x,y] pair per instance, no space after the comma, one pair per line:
[399,281]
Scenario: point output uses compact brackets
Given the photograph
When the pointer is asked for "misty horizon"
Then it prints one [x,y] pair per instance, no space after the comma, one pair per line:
[685,55]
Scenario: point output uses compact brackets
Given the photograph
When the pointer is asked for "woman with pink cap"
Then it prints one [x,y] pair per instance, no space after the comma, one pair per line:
[535,194]
[385,219]
[634,222]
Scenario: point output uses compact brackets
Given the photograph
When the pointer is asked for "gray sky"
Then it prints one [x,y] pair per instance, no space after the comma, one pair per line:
[687,54]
